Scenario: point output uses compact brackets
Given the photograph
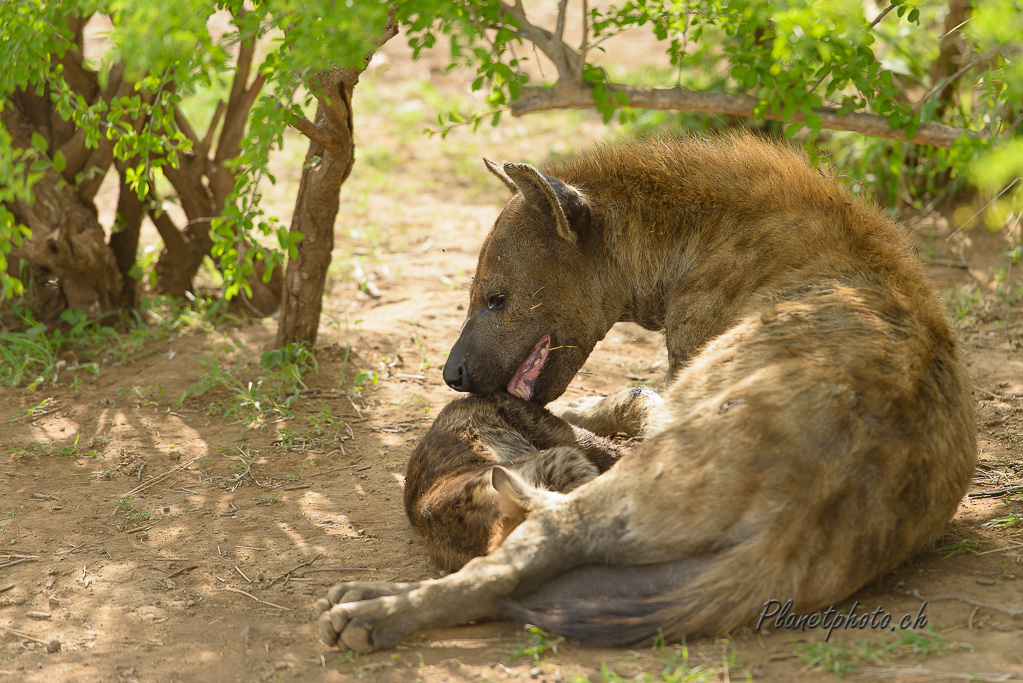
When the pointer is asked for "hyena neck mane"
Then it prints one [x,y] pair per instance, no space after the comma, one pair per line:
[687,233]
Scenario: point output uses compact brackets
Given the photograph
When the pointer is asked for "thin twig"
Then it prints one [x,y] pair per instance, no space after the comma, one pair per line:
[22,634]
[966,222]
[994,493]
[874,23]
[871,672]
[968,601]
[336,469]
[160,477]
[242,573]
[976,61]
[182,571]
[236,590]
[1001,550]
[11,564]
[293,569]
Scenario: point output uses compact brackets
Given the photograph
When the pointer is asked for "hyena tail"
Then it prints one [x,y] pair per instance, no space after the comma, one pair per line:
[610,605]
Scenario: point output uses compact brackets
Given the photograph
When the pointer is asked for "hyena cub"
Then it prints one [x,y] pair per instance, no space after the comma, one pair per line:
[485,463]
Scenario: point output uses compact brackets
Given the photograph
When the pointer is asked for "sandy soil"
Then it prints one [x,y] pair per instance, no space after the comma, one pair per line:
[209,573]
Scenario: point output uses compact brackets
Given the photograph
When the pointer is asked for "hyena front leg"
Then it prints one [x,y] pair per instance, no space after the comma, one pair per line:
[364,617]
[623,413]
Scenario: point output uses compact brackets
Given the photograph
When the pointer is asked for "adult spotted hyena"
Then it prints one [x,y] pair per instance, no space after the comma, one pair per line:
[817,428]
[485,463]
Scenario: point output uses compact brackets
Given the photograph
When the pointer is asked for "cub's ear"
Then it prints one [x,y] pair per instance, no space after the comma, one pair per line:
[492,167]
[569,207]
[515,497]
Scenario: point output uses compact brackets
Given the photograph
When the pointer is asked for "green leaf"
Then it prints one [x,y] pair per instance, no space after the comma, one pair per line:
[59,162]
[38,142]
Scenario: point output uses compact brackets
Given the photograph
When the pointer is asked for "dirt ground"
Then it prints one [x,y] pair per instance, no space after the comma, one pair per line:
[209,572]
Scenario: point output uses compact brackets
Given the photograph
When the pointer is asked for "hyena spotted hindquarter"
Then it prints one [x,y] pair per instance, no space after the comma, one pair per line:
[816,431]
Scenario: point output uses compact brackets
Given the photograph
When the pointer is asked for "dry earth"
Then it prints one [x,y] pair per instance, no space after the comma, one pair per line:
[209,573]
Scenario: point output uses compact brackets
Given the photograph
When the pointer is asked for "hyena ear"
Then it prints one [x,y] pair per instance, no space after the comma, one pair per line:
[514,494]
[570,209]
[492,167]
[515,497]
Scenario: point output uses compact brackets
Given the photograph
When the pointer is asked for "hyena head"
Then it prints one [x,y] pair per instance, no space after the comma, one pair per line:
[534,310]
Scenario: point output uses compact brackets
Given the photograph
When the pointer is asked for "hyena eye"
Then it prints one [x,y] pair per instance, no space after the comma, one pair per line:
[495,302]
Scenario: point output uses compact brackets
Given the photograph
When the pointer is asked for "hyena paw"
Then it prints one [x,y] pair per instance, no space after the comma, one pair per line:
[349,614]
[579,412]
[623,413]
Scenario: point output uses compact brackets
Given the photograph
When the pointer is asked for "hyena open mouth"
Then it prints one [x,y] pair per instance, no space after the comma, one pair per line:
[522,381]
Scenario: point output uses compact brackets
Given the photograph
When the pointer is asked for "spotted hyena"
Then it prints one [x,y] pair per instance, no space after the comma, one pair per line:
[816,429]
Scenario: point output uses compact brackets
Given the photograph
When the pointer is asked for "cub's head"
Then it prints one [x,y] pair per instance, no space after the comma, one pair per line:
[534,308]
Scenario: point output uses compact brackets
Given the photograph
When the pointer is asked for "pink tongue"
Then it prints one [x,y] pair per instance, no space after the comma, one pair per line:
[522,381]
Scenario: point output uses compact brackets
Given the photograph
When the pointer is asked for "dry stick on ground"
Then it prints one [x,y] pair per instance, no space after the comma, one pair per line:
[236,590]
[936,675]
[287,575]
[51,645]
[993,493]
[1001,550]
[968,601]
[181,571]
[155,480]
[11,564]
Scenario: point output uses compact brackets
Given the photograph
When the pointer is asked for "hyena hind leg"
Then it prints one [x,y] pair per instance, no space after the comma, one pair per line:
[623,413]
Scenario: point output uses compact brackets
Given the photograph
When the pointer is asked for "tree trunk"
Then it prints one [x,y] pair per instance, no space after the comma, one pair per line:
[327,165]
[316,209]
[67,241]
[124,241]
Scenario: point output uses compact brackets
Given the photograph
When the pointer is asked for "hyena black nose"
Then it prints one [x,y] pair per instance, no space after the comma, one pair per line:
[456,375]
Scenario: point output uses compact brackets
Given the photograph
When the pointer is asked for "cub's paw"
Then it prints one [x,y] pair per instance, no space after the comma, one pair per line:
[352,615]
[581,411]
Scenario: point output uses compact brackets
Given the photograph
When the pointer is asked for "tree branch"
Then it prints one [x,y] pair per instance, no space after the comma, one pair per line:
[874,23]
[207,141]
[566,60]
[579,96]
[169,233]
[584,46]
[185,126]
[559,29]
[238,103]
[313,132]
[948,80]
